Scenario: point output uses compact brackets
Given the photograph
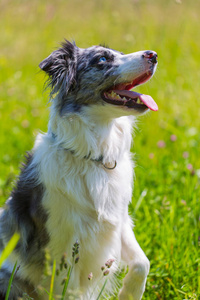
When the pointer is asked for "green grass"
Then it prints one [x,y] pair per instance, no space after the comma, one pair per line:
[165,203]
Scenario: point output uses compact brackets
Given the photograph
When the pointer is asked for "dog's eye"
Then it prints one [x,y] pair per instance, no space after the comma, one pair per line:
[102,59]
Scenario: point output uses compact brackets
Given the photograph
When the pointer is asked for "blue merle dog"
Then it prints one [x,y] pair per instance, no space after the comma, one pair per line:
[77,181]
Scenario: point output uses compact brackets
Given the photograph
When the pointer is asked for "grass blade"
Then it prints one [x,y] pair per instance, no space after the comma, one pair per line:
[10,282]
[66,282]
[9,248]
[101,291]
[52,280]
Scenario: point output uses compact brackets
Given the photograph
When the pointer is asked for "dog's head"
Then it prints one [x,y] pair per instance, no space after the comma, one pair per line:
[99,76]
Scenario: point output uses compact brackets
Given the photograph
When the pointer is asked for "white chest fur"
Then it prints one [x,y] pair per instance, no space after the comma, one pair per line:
[85,201]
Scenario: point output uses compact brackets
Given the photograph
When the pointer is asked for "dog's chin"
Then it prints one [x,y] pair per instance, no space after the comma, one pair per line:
[106,112]
[122,111]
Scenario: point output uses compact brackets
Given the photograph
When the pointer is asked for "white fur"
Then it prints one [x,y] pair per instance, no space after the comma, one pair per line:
[87,202]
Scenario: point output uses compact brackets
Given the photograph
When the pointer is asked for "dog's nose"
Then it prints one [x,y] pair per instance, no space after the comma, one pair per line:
[150,56]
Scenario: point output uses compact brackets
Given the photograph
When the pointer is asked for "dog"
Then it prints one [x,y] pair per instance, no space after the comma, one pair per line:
[73,191]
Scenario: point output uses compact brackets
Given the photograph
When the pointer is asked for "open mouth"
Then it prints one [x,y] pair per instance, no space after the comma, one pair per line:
[122,95]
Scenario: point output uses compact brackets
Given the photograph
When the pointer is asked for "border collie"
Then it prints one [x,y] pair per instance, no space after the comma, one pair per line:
[76,184]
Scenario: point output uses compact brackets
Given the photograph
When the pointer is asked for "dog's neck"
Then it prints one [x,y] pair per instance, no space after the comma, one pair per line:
[87,136]
[99,160]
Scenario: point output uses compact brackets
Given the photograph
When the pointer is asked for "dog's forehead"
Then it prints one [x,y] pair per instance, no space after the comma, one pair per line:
[91,51]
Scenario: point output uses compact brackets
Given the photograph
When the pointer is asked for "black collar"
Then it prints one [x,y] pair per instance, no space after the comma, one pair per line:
[87,157]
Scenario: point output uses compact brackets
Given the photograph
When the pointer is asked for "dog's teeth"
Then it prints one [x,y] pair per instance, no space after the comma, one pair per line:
[113,94]
[138,101]
[118,97]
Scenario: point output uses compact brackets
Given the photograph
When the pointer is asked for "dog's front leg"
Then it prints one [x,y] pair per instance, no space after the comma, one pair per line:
[132,254]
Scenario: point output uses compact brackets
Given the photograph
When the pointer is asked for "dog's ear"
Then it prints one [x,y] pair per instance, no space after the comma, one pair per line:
[60,65]
[47,63]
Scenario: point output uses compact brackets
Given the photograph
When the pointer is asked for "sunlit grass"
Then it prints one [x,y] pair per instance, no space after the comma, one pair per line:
[165,203]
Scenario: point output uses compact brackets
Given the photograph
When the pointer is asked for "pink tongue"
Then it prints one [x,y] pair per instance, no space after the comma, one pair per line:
[149,102]
[146,99]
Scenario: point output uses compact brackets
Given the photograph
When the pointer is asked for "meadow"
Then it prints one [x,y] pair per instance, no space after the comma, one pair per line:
[165,205]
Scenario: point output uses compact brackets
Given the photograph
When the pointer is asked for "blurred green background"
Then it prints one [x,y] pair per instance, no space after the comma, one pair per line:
[165,203]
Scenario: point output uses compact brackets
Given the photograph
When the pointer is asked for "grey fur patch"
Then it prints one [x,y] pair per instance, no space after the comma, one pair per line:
[60,65]
[24,214]
[18,288]
[78,76]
